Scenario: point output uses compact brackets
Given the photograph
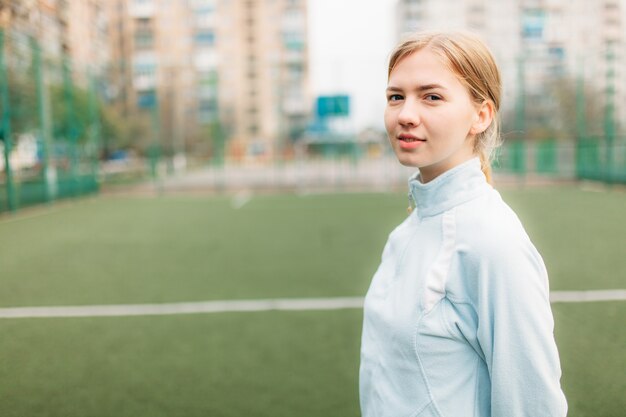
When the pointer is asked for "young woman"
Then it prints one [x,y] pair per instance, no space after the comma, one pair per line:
[457,320]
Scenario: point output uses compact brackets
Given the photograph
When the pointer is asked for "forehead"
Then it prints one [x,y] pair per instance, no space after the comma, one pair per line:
[423,67]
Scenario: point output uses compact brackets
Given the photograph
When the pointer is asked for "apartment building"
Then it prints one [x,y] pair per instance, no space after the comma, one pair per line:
[68,31]
[86,37]
[203,66]
[263,69]
[43,20]
[536,43]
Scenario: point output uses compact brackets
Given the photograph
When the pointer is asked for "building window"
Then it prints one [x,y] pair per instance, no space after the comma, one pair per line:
[206,106]
[533,23]
[203,7]
[146,99]
[557,52]
[142,23]
[207,110]
[144,69]
[208,78]
[204,14]
[144,39]
[293,40]
[205,37]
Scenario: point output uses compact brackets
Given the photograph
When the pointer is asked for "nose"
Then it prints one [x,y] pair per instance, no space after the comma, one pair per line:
[409,114]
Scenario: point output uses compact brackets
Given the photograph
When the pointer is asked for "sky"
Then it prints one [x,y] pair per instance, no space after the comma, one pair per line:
[350,41]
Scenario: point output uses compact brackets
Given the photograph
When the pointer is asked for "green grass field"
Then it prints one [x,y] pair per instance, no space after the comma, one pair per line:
[304,363]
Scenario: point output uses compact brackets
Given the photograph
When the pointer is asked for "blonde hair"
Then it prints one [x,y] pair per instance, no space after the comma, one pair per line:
[472,62]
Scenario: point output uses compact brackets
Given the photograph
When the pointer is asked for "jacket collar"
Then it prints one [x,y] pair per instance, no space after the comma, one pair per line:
[456,186]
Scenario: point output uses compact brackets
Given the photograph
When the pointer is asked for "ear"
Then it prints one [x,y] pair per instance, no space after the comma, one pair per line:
[484,117]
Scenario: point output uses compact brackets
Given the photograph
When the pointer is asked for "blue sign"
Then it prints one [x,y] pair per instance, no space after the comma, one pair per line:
[333,106]
[146,100]
[533,24]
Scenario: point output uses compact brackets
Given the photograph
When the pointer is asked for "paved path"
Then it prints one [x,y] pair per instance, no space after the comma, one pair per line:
[291,304]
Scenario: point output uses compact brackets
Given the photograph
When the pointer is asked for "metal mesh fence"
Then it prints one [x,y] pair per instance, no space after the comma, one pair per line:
[55,124]
[49,125]
[589,158]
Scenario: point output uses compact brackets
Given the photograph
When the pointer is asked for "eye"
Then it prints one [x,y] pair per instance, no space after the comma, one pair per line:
[394,97]
[432,97]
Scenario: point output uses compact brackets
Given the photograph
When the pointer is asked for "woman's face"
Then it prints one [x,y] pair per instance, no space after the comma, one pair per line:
[430,117]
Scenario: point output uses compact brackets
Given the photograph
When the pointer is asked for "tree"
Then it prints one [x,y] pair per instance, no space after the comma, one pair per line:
[551,112]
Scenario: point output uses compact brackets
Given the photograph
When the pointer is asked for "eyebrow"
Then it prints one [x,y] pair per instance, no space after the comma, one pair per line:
[420,88]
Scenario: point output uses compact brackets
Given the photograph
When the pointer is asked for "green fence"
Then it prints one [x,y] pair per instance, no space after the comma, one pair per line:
[598,161]
[49,125]
[54,124]
[583,159]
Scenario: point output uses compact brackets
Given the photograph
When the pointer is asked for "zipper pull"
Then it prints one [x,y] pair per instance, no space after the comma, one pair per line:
[411,206]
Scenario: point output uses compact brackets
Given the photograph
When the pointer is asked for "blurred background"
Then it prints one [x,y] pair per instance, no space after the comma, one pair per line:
[157,152]
[97,93]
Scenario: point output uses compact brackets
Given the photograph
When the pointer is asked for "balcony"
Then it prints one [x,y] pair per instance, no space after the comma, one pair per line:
[205,60]
[142,9]
[293,21]
[206,92]
[205,21]
[295,105]
[294,41]
[144,39]
[144,82]
[294,57]
[144,71]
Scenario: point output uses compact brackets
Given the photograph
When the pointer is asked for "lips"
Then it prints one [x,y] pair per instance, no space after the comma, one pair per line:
[409,143]
[410,138]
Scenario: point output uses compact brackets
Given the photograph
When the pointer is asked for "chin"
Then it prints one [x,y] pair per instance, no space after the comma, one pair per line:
[409,161]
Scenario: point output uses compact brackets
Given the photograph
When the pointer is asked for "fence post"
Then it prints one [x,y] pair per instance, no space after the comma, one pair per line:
[156,154]
[520,105]
[609,113]
[72,131]
[581,116]
[6,126]
[581,122]
[44,119]
[546,157]
[94,113]
[519,155]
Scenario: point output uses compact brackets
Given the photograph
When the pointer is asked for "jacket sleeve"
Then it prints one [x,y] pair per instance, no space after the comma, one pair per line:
[515,331]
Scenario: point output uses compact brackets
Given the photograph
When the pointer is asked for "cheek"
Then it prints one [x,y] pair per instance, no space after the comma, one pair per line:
[458,119]
[390,120]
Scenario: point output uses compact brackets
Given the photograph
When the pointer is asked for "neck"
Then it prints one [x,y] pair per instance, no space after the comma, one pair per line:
[455,186]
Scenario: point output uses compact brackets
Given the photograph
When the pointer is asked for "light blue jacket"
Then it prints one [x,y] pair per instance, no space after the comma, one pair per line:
[457,320]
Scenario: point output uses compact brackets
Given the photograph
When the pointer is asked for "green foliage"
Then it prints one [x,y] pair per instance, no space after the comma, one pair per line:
[70,112]
[22,100]
[75,110]
[122,132]
[217,135]
[551,113]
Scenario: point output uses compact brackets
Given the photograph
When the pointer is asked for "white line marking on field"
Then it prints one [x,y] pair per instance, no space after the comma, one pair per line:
[587,296]
[283,304]
[241,199]
[185,308]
